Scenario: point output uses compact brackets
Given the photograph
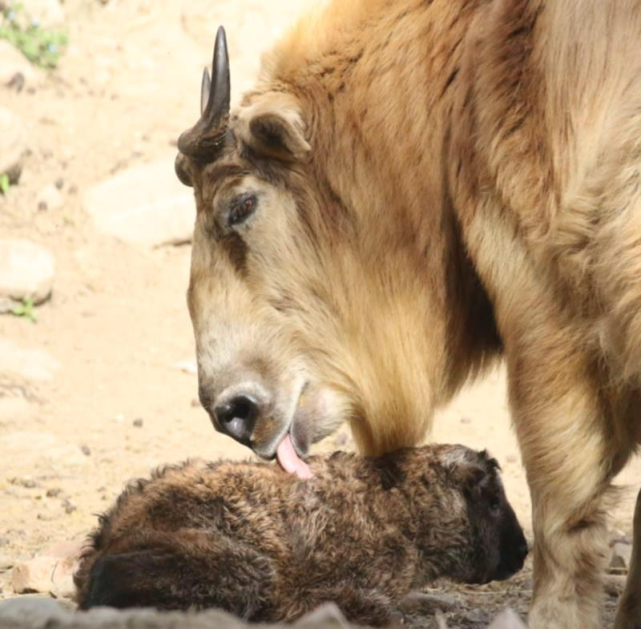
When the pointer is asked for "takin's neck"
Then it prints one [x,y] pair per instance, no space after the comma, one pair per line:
[375,88]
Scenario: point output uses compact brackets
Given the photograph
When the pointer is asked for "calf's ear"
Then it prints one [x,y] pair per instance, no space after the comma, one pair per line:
[275,128]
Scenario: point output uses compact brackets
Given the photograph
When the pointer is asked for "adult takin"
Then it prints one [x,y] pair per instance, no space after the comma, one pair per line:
[252,540]
[413,190]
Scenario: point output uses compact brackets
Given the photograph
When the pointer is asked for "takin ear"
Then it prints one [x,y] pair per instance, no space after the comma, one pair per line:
[275,129]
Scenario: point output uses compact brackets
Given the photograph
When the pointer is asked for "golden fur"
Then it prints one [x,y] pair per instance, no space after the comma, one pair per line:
[443,182]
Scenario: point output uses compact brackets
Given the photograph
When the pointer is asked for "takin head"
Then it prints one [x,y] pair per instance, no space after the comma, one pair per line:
[310,307]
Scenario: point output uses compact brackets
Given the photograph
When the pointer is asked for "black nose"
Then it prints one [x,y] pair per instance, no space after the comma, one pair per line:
[522,553]
[237,417]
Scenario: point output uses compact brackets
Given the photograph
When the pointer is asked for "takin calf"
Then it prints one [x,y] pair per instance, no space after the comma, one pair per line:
[266,546]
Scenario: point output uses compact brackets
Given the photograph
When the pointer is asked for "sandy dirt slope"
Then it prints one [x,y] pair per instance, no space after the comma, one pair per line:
[117,323]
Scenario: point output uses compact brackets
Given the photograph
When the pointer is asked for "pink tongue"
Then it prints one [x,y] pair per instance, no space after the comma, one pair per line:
[290,461]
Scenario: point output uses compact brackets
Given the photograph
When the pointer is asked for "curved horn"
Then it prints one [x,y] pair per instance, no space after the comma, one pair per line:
[205,139]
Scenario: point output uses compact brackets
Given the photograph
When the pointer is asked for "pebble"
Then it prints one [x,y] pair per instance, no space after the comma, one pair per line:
[508,619]
[15,69]
[27,483]
[144,205]
[138,423]
[45,574]
[49,199]
[187,366]
[621,557]
[68,506]
[86,450]
[27,270]
[54,492]
[30,364]
[13,146]
[48,13]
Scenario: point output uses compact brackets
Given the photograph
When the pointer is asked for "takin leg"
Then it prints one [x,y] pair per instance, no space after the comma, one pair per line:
[629,612]
[178,572]
[570,458]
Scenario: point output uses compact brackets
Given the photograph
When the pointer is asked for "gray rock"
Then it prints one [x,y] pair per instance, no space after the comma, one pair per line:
[48,13]
[145,205]
[27,270]
[14,63]
[13,145]
[30,364]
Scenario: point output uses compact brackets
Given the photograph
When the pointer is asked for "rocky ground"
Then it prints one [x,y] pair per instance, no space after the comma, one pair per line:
[97,379]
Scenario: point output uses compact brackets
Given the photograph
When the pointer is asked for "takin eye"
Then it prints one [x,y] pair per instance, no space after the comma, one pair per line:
[242,208]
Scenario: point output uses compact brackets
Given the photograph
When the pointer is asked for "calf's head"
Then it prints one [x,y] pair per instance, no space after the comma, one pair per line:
[477,538]
[290,302]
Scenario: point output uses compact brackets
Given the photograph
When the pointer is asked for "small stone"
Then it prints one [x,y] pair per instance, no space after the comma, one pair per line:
[145,205]
[86,450]
[27,483]
[47,13]
[138,423]
[187,366]
[27,271]
[30,364]
[45,574]
[49,199]
[14,67]
[13,147]
[59,183]
[621,557]
[507,619]
[195,402]
[53,493]
[68,506]
[476,616]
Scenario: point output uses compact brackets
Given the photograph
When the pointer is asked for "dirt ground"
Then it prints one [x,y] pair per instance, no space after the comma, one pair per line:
[117,322]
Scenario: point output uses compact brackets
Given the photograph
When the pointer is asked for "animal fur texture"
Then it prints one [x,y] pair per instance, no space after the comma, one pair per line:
[250,539]
[434,185]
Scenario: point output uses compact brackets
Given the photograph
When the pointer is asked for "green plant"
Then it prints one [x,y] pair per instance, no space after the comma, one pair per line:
[27,310]
[43,47]
[5,184]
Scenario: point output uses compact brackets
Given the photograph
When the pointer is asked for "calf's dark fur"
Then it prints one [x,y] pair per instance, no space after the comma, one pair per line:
[255,541]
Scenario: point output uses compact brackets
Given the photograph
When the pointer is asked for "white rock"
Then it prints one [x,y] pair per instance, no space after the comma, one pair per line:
[31,364]
[45,574]
[507,619]
[621,557]
[49,198]
[187,366]
[14,409]
[48,13]
[13,145]
[13,62]
[26,271]
[145,205]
